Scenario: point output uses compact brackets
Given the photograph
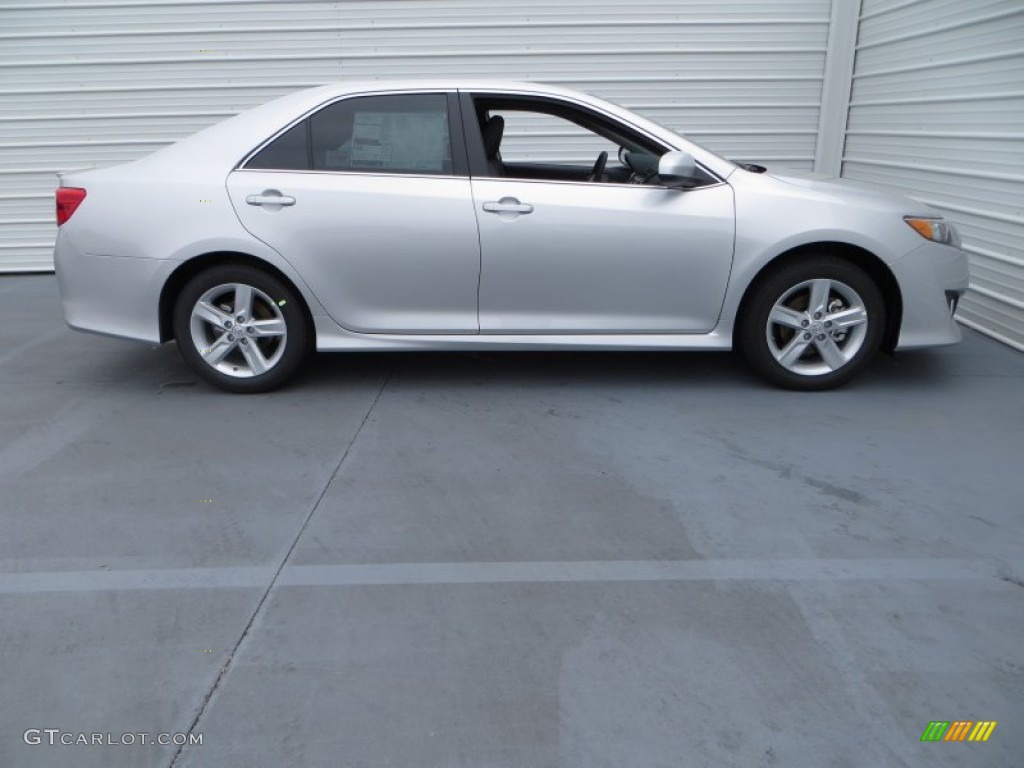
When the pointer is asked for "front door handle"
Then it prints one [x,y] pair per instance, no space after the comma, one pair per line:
[508,205]
[270,197]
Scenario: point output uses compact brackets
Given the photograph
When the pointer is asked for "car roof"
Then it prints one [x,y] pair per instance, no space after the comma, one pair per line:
[443,83]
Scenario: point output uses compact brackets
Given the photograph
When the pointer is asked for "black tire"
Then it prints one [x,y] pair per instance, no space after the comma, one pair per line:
[810,370]
[273,302]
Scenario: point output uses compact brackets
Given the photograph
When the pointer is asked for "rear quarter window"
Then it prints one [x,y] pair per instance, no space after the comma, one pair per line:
[288,152]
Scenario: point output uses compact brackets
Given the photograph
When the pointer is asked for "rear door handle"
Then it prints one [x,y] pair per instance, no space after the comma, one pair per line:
[270,197]
[508,205]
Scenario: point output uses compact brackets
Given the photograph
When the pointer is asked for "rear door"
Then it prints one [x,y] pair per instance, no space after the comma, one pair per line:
[369,199]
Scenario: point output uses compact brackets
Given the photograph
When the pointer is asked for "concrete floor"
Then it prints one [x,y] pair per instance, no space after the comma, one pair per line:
[505,559]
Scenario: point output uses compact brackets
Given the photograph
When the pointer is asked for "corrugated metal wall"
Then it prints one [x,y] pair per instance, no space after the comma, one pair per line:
[937,105]
[937,109]
[96,83]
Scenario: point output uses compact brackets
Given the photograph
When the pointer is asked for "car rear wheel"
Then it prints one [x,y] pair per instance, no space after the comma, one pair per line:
[813,324]
[240,328]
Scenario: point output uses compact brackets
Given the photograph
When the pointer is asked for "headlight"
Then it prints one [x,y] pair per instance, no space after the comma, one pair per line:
[939,230]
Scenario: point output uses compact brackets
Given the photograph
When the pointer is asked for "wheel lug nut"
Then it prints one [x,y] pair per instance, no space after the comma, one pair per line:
[250,329]
[807,337]
[240,318]
[804,323]
[227,323]
[821,337]
[817,315]
[828,323]
[245,341]
[231,337]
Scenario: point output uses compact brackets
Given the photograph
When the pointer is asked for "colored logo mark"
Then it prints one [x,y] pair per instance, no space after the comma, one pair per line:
[959,730]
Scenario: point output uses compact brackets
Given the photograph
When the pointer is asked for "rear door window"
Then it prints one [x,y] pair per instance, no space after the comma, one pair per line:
[405,134]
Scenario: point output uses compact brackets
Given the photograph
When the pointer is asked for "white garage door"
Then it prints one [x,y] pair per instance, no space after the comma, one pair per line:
[89,83]
[937,109]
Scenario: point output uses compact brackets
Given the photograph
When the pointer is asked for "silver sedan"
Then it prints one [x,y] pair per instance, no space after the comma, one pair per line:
[489,215]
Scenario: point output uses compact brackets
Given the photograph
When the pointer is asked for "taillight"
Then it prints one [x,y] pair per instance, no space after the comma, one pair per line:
[68,199]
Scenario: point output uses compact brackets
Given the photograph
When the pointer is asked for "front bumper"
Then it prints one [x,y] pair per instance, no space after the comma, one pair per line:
[111,295]
[928,278]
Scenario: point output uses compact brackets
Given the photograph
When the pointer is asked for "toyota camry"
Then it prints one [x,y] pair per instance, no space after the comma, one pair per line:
[478,215]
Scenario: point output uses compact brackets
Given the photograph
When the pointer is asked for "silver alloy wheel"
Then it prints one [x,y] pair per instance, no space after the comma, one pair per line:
[817,327]
[238,330]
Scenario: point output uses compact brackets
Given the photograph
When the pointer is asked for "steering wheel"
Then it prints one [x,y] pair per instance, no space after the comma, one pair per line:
[602,160]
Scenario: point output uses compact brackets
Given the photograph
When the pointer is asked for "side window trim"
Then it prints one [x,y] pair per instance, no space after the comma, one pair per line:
[457,136]
[474,141]
[308,122]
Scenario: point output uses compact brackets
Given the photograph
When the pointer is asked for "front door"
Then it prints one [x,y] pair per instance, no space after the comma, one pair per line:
[568,248]
[563,257]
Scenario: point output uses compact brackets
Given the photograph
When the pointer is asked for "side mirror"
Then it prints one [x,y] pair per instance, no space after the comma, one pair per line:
[677,170]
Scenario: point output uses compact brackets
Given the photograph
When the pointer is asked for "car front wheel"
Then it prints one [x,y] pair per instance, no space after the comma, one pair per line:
[813,324]
[240,328]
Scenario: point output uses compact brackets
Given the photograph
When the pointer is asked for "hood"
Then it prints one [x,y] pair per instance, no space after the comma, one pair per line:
[851,192]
